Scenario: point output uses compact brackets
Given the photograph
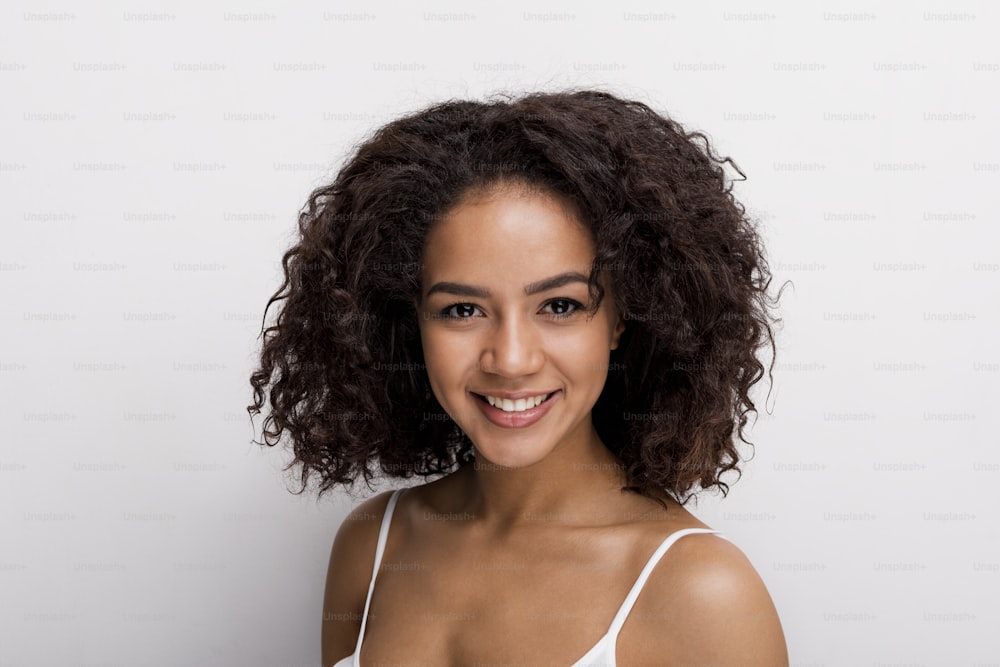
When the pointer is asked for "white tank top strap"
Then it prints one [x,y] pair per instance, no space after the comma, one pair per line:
[382,534]
[623,611]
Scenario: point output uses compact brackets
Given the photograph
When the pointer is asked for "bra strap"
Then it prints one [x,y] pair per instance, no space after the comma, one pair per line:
[623,611]
[382,533]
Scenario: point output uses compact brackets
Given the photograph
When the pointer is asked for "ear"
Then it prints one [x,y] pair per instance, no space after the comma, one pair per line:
[619,328]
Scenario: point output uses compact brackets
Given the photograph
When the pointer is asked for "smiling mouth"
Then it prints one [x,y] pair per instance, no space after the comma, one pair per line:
[548,398]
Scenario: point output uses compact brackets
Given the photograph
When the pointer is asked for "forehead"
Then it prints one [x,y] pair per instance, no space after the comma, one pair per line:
[509,231]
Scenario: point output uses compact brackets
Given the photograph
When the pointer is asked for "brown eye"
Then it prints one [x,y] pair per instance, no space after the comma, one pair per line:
[446,312]
[564,303]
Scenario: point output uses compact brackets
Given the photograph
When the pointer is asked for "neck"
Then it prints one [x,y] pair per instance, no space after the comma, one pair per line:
[570,486]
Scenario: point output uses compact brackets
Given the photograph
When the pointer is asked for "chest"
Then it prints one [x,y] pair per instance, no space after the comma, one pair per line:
[537,602]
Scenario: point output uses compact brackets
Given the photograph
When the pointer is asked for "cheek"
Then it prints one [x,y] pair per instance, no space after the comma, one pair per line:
[442,357]
[584,356]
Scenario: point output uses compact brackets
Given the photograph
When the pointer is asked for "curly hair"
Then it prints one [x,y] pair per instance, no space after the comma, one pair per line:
[690,275]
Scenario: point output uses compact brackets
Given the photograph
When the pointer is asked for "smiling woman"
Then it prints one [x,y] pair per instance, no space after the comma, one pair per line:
[507,344]
[554,305]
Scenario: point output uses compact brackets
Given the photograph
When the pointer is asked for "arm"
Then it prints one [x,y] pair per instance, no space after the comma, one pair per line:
[348,574]
[711,608]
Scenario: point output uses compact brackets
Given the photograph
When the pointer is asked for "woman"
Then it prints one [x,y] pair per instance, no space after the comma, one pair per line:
[554,305]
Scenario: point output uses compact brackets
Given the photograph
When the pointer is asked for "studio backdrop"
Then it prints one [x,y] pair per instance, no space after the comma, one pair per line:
[154,159]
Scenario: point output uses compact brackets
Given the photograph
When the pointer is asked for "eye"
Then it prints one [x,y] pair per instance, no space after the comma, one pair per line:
[446,312]
[560,304]
[574,305]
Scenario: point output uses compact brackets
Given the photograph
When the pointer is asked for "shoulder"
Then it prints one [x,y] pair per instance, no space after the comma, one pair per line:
[705,603]
[349,571]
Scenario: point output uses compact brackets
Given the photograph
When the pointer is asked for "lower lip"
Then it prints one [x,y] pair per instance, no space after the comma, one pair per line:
[516,419]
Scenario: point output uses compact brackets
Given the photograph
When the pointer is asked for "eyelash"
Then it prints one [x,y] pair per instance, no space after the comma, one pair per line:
[443,314]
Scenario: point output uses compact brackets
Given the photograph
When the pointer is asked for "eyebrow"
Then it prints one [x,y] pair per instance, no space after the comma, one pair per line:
[529,289]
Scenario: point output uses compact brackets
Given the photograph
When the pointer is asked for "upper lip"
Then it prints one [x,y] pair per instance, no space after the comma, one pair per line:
[514,395]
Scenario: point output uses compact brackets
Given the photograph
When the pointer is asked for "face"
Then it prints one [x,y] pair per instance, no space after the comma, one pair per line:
[490,324]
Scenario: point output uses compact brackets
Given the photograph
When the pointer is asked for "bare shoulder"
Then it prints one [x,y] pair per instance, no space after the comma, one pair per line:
[352,558]
[706,604]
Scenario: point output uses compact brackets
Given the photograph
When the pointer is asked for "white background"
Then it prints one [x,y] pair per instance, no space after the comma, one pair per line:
[152,162]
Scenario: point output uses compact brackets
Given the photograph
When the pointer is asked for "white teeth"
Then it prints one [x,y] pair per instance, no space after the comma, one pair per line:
[520,405]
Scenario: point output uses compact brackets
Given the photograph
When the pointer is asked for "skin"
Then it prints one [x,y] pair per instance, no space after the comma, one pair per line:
[525,556]
[511,342]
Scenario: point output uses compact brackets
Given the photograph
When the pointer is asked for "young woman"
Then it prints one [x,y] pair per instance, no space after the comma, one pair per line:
[553,305]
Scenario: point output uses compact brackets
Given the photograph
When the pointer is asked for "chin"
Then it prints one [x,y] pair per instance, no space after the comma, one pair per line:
[507,459]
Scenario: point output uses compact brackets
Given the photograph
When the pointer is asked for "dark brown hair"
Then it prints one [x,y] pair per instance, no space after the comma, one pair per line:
[344,360]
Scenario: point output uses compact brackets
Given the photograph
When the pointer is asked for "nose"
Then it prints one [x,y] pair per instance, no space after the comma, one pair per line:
[513,349]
